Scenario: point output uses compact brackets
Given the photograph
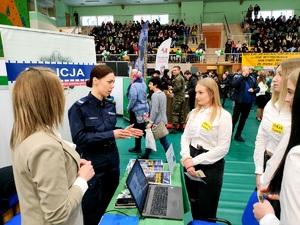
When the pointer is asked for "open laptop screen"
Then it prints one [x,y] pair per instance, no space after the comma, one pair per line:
[138,185]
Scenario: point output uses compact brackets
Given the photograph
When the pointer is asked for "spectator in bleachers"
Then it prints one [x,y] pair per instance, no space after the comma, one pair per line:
[249,11]
[256,10]
[187,32]
[184,47]
[202,45]
[194,31]
[228,46]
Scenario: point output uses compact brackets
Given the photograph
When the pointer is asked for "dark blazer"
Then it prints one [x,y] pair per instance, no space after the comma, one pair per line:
[223,87]
[238,83]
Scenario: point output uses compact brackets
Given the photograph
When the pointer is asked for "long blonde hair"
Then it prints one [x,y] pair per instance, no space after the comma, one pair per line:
[38,103]
[211,87]
[287,67]
[294,76]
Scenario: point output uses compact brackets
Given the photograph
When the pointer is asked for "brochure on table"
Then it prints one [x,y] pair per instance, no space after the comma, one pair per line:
[171,159]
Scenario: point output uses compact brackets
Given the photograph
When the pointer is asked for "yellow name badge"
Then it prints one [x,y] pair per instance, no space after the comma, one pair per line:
[207,126]
[278,128]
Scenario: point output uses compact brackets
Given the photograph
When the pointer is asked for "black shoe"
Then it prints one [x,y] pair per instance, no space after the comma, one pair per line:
[142,157]
[239,138]
[134,150]
[173,131]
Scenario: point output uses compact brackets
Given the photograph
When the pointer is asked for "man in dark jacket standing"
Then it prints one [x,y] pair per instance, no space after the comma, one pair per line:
[190,88]
[245,90]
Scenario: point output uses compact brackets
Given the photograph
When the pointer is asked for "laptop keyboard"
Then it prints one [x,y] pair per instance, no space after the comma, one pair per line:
[160,201]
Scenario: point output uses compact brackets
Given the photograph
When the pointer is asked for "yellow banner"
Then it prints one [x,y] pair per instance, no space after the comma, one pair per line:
[267,59]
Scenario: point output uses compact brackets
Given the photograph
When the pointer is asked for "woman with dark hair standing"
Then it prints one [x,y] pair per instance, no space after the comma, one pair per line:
[158,110]
[167,79]
[92,122]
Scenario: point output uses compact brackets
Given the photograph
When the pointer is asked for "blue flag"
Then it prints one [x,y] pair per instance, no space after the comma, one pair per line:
[143,43]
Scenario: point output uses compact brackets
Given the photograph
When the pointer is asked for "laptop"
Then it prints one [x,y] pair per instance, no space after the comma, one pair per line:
[153,200]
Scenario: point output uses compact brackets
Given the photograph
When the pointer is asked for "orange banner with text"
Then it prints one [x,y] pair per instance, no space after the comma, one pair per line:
[267,59]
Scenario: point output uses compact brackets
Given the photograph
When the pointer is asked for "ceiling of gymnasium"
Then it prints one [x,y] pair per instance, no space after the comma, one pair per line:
[127,2]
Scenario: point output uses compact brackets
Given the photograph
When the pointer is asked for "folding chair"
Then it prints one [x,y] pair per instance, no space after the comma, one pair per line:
[248,216]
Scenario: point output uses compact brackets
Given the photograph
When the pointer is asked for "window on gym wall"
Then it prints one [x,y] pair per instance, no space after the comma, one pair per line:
[163,19]
[276,13]
[47,7]
[95,20]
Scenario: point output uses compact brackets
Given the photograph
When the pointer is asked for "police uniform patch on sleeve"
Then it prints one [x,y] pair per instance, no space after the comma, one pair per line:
[111,100]
[81,101]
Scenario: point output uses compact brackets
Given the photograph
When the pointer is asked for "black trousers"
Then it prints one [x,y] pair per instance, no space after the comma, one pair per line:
[204,198]
[102,186]
[240,113]
[141,126]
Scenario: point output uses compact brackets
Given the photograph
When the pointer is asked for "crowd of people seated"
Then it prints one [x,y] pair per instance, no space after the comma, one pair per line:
[273,34]
[116,38]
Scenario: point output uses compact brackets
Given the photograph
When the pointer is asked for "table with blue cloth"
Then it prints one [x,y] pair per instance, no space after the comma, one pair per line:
[177,180]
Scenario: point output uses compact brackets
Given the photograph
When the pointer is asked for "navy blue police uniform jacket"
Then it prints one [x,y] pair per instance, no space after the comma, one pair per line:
[92,123]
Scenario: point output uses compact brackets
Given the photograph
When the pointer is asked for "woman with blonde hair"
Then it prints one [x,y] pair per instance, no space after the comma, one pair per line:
[276,121]
[284,180]
[204,144]
[49,175]
[261,95]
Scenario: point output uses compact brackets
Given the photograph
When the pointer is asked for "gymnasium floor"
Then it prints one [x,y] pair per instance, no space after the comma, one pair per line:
[239,178]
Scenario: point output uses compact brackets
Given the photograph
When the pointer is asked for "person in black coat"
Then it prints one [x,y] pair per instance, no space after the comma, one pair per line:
[167,79]
[190,88]
[223,87]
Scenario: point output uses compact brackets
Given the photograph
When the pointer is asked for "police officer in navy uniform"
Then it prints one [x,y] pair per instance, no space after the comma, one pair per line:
[92,122]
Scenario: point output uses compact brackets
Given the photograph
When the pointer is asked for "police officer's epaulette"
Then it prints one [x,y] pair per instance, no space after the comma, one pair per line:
[111,100]
[81,101]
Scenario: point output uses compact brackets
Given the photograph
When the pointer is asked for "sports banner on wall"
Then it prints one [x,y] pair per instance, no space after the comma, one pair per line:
[162,56]
[266,59]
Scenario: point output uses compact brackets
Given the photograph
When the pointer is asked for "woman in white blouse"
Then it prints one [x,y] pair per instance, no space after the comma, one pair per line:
[276,120]
[204,143]
[261,95]
[285,180]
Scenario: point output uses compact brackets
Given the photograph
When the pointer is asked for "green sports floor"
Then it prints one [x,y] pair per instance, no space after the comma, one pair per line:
[239,178]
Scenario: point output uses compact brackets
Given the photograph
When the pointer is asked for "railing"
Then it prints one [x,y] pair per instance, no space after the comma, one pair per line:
[200,25]
[227,29]
[173,58]
[243,38]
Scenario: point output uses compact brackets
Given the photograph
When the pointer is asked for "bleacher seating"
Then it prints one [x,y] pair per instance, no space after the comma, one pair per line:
[273,34]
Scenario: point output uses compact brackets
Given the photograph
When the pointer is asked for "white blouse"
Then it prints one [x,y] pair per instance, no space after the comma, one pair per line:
[215,137]
[262,89]
[290,192]
[273,162]
[272,128]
